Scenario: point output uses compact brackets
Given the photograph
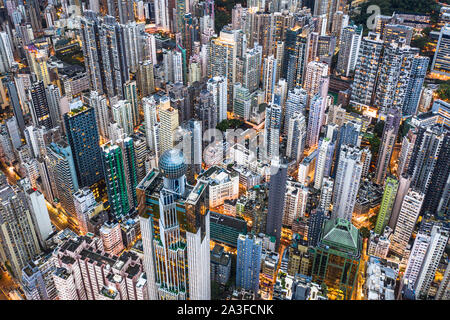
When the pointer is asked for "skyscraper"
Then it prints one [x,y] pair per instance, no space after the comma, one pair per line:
[248,262]
[323,162]
[315,120]
[277,190]
[19,241]
[388,139]
[272,129]
[114,172]
[40,110]
[440,63]
[218,88]
[168,117]
[176,251]
[349,49]
[296,141]
[83,138]
[347,181]
[406,221]
[60,163]
[438,241]
[341,243]
[366,70]
[387,203]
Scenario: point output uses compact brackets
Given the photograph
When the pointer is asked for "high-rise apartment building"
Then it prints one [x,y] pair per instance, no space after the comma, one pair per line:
[347,181]
[248,262]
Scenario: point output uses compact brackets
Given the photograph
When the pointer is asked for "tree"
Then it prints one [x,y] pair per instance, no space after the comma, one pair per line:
[444,91]
[378,129]
[365,233]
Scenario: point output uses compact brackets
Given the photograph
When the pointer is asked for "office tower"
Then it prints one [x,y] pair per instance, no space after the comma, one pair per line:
[323,161]
[340,242]
[388,139]
[185,248]
[122,115]
[19,241]
[218,88]
[366,70]
[13,131]
[242,101]
[76,272]
[438,241]
[114,173]
[387,204]
[277,190]
[296,137]
[83,138]
[40,110]
[394,75]
[269,78]
[347,181]
[430,142]
[418,252]
[111,236]
[294,202]
[60,163]
[252,68]
[6,54]
[146,78]
[85,207]
[326,194]
[130,94]
[406,221]
[316,79]
[436,198]
[349,49]
[272,128]
[248,262]
[99,104]
[296,101]
[15,103]
[443,292]
[440,63]
[39,215]
[315,120]
[168,116]
[222,58]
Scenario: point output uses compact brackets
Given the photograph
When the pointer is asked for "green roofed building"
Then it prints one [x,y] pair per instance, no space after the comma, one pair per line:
[337,257]
[226,229]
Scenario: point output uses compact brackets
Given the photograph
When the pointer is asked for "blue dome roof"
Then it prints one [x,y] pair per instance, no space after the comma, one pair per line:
[172,164]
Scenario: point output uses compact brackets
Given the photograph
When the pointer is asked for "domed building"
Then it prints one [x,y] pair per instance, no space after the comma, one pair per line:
[172,165]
